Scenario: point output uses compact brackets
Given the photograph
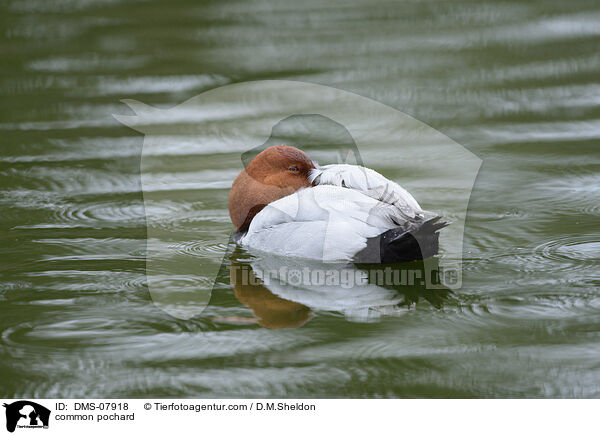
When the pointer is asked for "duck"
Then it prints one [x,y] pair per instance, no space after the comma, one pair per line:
[285,204]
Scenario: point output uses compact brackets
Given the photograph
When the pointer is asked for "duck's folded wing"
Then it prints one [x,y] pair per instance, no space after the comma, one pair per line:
[368,182]
[328,223]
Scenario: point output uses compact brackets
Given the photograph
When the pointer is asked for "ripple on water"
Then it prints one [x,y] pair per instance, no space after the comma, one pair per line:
[85,249]
[574,250]
[547,305]
[121,213]
[125,213]
[580,192]
[201,248]
[570,252]
[565,253]
[71,181]
[92,281]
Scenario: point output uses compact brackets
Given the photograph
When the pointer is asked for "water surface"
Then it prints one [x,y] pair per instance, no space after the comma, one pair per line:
[515,83]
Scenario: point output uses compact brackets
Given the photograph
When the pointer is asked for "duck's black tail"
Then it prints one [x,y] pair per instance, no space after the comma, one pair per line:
[416,241]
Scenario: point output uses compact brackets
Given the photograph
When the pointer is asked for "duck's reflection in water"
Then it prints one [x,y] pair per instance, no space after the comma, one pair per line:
[284,293]
[272,311]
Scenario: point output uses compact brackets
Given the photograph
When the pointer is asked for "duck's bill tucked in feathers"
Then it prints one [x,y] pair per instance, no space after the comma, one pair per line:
[368,182]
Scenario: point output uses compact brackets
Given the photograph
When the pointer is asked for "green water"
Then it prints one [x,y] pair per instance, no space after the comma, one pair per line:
[516,83]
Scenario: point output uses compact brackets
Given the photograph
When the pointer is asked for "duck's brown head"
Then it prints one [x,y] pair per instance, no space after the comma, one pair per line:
[276,172]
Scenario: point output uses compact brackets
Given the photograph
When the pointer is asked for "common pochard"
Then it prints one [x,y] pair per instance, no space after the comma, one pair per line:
[285,204]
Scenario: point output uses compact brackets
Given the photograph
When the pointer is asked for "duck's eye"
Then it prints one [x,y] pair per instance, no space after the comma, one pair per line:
[294,169]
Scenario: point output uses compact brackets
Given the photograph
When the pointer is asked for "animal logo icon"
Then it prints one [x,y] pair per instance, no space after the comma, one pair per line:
[24,413]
